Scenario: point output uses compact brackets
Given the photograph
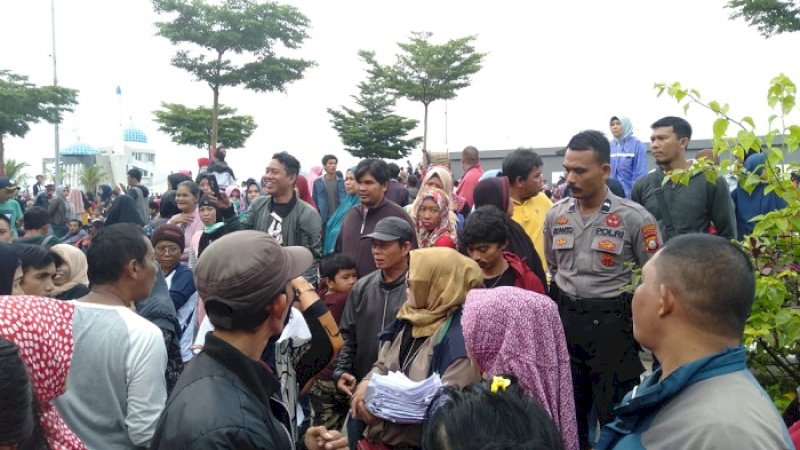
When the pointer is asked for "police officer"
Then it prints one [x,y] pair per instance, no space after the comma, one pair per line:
[589,241]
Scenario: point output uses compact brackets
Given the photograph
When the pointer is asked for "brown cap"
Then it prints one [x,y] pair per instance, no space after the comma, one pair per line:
[240,273]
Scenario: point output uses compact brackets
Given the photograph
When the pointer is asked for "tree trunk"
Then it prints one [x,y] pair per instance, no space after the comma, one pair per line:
[425,130]
[2,157]
[214,118]
[426,159]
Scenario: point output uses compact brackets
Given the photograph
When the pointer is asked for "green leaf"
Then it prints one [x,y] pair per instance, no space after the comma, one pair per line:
[720,127]
[749,120]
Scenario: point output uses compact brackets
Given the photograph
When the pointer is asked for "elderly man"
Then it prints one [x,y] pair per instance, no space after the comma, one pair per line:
[690,310]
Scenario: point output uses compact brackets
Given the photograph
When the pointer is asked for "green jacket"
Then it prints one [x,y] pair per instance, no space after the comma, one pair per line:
[301,227]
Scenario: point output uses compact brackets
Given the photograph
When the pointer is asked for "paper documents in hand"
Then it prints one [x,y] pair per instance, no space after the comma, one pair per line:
[398,399]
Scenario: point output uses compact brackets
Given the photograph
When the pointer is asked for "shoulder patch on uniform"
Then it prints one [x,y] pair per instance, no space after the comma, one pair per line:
[650,232]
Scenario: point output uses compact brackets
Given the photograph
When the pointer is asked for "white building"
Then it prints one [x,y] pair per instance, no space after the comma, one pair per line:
[132,151]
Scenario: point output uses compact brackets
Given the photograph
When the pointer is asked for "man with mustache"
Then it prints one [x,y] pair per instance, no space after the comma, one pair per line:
[589,242]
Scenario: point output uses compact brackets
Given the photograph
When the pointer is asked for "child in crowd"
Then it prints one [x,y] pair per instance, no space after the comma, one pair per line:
[75,232]
[492,414]
[338,275]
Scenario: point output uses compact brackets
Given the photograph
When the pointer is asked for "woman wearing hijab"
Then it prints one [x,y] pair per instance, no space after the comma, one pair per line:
[439,177]
[234,194]
[334,225]
[19,426]
[252,191]
[75,199]
[494,191]
[71,278]
[435,221]
[124,210]
[427,337]
[10,270]
[174,179]
[216,223]
[188,217]
[511,330]
[628,154]
[42,330]
[303,193]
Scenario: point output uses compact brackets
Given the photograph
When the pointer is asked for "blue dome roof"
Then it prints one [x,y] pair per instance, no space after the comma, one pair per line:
[133,134]
[79,149]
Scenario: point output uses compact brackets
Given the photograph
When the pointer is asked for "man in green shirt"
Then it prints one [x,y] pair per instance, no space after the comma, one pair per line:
[37,230]
[9,206]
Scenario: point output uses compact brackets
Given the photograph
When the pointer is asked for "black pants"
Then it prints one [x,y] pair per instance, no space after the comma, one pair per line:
[603,355]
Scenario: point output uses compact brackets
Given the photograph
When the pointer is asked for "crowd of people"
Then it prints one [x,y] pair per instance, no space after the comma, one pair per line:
[257,314]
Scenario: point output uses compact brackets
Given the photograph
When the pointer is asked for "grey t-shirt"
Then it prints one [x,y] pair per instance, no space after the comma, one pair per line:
[116,388]
[726,412]
[332,197]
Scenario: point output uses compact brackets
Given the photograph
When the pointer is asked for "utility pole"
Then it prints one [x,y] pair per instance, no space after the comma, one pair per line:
[57,176]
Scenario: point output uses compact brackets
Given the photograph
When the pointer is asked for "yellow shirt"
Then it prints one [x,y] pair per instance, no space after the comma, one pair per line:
[530,215]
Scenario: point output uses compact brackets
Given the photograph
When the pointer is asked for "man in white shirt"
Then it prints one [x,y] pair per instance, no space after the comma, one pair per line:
[116,387]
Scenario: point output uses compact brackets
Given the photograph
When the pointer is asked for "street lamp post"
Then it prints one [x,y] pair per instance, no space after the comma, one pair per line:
[57,176]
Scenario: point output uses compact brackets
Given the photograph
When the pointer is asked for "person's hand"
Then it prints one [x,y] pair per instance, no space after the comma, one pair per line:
[320,438]
[122,188]
[182,219]
[359,408]
[221,202]
[300,284]
[346,384]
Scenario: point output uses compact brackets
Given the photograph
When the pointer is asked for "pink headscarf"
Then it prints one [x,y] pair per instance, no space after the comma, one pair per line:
[42,330]
[75,198]
[303,191]
[313,173]
[511,330]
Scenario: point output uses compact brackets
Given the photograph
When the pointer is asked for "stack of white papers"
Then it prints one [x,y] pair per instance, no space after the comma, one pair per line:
[398,399]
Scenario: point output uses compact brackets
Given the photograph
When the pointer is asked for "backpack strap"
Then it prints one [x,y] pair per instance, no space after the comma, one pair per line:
[46,240]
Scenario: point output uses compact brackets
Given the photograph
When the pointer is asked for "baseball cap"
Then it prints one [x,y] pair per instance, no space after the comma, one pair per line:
[8,184]
[240,273]
[391,229]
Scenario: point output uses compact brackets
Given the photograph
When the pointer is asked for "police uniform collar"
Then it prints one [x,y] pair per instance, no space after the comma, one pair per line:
[604,208]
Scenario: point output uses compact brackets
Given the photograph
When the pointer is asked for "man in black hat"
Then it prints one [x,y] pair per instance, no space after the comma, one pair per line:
[373,302]
[8,204]
[227,398]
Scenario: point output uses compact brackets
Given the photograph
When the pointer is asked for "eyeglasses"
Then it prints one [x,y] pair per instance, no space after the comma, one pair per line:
[168,250]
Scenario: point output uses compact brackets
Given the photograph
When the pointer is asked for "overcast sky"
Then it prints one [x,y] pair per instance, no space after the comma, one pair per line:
[553,68]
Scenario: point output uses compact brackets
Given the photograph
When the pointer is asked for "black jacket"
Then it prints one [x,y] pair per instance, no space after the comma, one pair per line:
[371,306]
[223,400]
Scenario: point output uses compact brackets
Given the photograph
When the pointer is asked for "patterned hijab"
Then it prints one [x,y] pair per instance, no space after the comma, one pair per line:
[447,219]
[42,329]
[443,174]
[441,278]
[511,330]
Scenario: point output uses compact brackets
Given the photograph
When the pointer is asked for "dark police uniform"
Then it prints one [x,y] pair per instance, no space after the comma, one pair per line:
[587,258]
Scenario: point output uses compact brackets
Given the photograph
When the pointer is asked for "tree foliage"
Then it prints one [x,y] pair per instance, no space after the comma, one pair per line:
[23,104]
[14,170]
[425,72]
[772,333]
[192,126]
[374,131]
[235,43]
[771,17]
[91,176]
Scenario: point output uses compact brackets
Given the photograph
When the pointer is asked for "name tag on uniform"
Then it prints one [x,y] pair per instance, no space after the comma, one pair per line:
[608,232]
